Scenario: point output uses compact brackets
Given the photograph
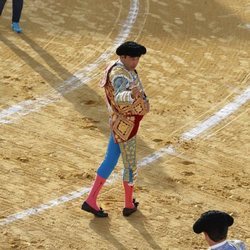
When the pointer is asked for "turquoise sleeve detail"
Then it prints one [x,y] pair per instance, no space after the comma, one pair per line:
[122,92]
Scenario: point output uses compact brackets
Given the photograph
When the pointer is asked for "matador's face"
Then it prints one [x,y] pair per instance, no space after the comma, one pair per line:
[130,62]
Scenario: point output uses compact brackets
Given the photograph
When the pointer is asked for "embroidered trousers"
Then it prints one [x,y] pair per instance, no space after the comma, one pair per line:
[114,150]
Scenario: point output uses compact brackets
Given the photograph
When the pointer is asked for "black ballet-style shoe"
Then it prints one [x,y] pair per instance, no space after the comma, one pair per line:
[98,213]
[128,211]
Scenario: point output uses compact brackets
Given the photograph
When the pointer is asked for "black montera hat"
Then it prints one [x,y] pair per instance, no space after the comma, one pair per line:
[130,48]
[211,220]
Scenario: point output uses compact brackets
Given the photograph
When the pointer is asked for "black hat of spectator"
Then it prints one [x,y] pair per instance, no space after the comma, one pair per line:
[212,219]
[132,49]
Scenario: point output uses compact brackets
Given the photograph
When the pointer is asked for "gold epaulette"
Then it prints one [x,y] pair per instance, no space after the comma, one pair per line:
[118,70]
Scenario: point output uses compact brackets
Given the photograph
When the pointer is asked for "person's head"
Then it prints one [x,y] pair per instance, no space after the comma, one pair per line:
[214,224]
[130,53]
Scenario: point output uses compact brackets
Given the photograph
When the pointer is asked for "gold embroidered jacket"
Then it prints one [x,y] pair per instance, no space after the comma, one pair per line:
[125,112]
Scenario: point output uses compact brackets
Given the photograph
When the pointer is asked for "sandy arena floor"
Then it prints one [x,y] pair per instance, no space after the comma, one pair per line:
[54,122]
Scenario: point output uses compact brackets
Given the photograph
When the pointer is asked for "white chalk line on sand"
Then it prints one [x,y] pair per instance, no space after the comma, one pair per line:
[218,116]
[80,78]
[191,134]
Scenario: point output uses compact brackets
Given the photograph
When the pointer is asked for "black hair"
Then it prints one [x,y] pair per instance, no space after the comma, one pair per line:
[217,234]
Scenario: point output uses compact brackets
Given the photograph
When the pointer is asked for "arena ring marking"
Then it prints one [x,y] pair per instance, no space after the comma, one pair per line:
[80,78]
[220,115]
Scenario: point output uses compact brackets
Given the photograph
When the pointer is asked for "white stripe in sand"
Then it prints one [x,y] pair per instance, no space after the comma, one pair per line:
[200,128]
[80,78]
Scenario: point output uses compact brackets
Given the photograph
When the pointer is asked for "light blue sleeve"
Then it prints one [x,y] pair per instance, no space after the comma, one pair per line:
[122,91]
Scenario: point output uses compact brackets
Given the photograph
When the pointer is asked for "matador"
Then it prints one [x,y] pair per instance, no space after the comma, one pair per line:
[127,104]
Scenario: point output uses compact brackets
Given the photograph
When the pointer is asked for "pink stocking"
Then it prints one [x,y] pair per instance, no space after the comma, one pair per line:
[128,195]
[92,197]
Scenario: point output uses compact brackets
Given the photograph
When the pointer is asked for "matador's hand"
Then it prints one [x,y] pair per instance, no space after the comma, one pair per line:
[135,92]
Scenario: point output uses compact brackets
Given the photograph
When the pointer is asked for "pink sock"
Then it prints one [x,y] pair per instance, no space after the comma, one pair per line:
[92,197]
[128,195]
